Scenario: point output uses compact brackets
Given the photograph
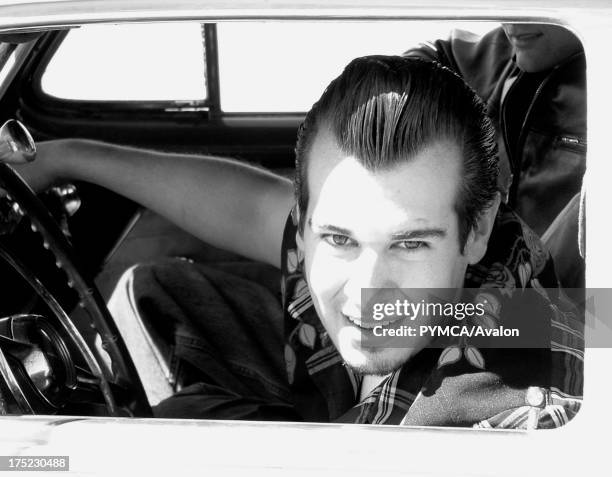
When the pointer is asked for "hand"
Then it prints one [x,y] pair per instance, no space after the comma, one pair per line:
[41,171]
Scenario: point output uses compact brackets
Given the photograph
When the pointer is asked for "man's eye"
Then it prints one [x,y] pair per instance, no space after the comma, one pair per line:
[338,240]
[411,244]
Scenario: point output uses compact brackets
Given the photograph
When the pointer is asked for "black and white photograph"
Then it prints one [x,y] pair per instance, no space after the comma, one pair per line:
[295,238]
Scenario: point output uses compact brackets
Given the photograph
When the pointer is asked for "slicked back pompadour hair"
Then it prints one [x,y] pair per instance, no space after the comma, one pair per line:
[383,110]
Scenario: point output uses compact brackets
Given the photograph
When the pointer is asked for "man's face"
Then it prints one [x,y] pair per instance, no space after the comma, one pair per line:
[540,47]
[394,228]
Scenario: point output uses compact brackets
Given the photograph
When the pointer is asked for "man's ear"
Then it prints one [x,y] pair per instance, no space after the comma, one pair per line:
[478,238]
[299,241]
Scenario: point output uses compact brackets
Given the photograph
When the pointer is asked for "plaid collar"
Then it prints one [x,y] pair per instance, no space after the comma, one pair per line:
[327,390]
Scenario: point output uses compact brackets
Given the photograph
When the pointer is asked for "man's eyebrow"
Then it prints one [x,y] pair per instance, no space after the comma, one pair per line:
[419,233]
[406,235]
[330,228]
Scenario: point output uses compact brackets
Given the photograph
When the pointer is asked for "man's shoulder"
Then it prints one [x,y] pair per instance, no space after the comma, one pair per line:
[480,60]
[515,256]
[489,387]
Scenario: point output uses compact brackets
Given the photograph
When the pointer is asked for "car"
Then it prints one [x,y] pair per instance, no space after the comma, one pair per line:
[111,71]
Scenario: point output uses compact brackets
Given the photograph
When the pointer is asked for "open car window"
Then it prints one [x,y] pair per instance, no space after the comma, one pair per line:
[241,90]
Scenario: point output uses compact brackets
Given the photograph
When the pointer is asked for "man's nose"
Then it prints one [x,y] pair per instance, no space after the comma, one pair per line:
[369,270]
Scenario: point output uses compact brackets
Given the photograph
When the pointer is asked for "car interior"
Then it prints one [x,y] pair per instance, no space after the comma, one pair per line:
[63,251]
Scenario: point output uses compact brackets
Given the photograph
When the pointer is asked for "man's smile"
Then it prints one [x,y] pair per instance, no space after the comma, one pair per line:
[357,321]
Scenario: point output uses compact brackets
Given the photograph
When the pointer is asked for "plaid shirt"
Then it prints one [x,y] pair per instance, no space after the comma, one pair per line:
[485,388]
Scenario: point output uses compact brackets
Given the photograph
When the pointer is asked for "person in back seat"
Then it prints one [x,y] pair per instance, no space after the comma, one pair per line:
[532,78]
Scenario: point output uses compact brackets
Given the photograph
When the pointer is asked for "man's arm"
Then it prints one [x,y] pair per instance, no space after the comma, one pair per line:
[225,203]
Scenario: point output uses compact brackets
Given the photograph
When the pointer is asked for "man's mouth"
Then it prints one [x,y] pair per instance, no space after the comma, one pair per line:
[357,321]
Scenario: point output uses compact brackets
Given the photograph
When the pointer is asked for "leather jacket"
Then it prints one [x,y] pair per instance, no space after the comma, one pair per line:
[541,121]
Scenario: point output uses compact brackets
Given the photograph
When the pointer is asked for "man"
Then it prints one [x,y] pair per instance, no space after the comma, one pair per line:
[533,79]
[395,187]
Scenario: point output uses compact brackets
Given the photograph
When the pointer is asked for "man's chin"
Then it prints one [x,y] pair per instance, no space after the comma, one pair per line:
[377,363]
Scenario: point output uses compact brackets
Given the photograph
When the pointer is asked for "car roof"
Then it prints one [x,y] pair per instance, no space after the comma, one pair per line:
[31,13]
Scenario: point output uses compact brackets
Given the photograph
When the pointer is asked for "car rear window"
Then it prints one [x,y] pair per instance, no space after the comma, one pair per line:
[284,66]
[133,62]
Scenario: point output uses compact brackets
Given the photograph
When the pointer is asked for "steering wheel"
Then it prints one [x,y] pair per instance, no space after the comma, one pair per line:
[46,363]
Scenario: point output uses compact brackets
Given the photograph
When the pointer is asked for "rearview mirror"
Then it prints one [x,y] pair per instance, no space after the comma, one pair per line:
[16,143]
